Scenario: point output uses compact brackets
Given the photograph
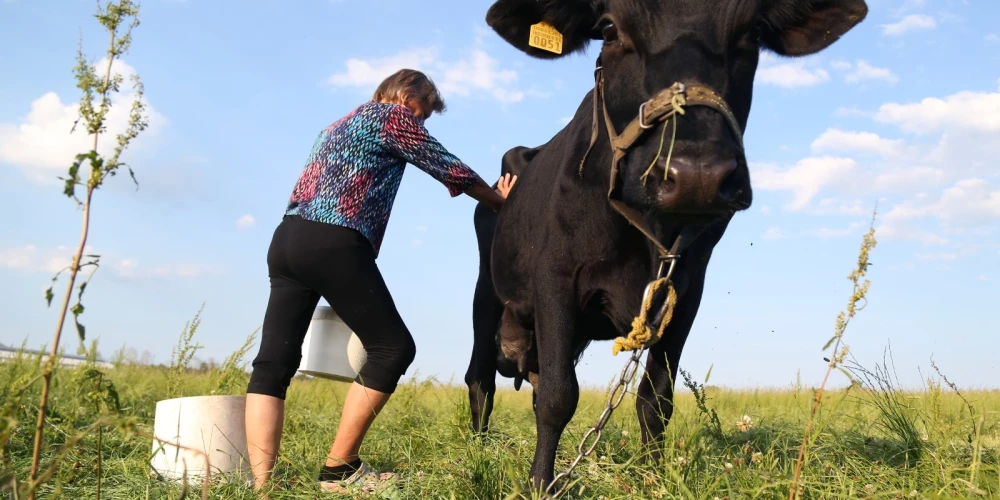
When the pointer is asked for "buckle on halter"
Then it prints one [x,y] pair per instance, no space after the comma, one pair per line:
[641,124]
[677,88]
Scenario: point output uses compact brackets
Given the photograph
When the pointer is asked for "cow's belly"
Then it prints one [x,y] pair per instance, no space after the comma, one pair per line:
[514,251]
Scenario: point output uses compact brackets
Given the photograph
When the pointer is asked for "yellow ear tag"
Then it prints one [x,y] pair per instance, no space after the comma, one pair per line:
[546,37]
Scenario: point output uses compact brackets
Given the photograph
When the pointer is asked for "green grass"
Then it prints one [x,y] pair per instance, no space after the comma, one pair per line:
[870,441]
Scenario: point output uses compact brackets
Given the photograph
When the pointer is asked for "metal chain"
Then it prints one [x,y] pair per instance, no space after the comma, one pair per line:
[615,398]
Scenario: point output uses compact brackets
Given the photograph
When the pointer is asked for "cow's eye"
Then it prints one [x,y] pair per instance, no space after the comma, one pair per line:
[609,31]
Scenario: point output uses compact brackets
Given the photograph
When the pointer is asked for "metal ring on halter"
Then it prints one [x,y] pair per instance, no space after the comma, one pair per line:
[659,316]
[673,263]
[645,293]
[663,309]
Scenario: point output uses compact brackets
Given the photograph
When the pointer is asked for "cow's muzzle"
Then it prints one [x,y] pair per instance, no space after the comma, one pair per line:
[693,185]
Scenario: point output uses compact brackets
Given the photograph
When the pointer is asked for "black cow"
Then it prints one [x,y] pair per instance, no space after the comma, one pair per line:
[559,267]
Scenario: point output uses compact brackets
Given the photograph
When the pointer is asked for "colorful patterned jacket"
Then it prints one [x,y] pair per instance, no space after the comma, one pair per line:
[356,164]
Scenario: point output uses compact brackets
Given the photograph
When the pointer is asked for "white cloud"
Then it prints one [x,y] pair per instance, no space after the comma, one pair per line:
[41,144]
[909,23]
[774,234]
[478,72]
[938,187]
[481,72]
[805,179]
[131,269]
[968,202]
[30,258]
[861,142]
[246,221]
[369,73]
[992,38]
[793,74]
[901,230]
[864,72]
[840,65]
[909,177]
[968,205]
[966,110]
[565,120]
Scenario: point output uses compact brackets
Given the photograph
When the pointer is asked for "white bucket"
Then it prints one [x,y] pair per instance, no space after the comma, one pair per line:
[331,350]
[213,425]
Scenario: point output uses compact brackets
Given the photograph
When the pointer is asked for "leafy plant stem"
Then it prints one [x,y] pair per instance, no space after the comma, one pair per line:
[111,18]
[50,363]
[858,295]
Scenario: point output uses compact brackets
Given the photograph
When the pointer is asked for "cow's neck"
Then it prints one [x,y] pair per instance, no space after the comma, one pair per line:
[677,237]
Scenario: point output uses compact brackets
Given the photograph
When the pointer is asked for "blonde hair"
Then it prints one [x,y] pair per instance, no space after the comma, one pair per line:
[410,84]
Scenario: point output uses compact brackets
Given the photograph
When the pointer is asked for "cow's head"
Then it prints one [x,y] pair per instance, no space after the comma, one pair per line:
[650,44]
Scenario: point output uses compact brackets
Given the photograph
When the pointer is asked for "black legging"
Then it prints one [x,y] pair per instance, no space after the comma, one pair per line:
[308,260]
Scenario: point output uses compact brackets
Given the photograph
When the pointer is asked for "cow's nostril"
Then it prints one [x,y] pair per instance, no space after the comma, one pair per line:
[729,185]
[672,174]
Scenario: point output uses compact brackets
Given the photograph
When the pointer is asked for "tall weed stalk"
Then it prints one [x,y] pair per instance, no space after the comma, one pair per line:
[858,298]
[701,400]
[89,172]
[183,354]
[976,431]
[232,375]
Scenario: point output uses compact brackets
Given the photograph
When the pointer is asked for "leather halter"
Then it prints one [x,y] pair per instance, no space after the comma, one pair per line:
[665,105]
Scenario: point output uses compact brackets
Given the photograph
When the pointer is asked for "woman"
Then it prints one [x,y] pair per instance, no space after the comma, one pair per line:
[326,246]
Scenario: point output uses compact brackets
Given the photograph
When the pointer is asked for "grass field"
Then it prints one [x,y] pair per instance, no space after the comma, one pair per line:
[870,441]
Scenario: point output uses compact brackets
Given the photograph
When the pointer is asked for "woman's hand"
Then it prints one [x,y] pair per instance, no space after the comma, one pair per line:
[493,198]
[505,184]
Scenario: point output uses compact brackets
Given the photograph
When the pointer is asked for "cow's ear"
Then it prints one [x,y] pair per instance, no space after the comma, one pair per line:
[574,19]
[803,27]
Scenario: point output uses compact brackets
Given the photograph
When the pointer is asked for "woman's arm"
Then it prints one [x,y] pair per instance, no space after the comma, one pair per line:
[407,138]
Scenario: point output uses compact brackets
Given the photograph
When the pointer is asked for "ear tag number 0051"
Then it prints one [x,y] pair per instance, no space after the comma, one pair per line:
[546,37]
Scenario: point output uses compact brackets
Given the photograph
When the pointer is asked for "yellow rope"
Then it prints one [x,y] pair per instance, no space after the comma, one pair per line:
[677,102]
[641,334]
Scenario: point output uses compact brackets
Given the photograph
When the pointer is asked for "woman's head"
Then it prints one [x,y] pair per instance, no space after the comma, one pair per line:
[412,89]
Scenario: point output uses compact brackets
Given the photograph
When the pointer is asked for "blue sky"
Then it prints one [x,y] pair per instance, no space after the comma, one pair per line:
[903,111]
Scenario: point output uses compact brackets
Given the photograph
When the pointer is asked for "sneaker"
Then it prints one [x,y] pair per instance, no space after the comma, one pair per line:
[364,480]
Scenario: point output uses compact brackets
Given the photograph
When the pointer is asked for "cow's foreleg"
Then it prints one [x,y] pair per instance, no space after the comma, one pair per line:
[557,389]
[482,372]
[655,396]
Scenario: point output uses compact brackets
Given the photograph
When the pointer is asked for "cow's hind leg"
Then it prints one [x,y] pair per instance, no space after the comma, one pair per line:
[557,389]
[481,375]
